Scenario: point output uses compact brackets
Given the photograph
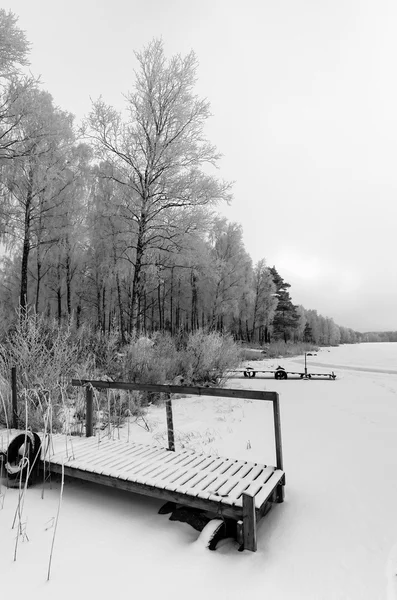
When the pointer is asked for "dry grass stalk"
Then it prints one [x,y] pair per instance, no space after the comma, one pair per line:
[21,532]
[56,522]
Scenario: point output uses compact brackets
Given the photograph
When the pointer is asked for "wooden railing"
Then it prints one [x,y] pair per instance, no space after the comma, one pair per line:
[168,390]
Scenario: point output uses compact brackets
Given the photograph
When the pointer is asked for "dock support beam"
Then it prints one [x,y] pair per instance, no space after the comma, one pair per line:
[249,523]
[89,411]
[170,423]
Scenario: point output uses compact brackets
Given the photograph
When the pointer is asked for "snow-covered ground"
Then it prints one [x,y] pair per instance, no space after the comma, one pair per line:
[334,537]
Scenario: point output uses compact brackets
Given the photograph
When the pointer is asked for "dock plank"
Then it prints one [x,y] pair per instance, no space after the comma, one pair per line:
[241,487]
[116,459]
[203,472]
[138,469]
[76,450]
[211,490]
[161,477]
[135,459]
[227,487]
[268,488]
[184,474]
[260,481]
[216,470]
[88,462]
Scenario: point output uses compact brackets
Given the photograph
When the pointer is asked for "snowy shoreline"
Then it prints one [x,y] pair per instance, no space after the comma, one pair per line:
[332,538]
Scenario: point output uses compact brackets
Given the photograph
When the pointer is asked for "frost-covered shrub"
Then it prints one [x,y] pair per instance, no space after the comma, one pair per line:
[97,354]
[47,356]
[208,356]
[44,355]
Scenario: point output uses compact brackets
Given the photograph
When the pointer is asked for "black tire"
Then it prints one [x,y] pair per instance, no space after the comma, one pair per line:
[15,467]
[280,374]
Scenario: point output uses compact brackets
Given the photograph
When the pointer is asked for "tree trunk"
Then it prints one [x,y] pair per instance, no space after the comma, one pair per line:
[171,302]
[137,280]
[104,309]
[68,278]
[163,306]
[159,305]
[121,310]
[247,331]
[178,308]
[144,315]
[38,272]
[59,294]
[78,316]
[23,300]
[98,303]
[253,332]
[194,315]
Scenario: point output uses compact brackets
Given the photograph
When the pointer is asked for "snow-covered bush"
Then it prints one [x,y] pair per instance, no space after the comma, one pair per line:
[208,356]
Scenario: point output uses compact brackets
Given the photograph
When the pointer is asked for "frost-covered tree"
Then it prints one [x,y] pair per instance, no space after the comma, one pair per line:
[265,301]
[14,85]
[34,181]
[158,151]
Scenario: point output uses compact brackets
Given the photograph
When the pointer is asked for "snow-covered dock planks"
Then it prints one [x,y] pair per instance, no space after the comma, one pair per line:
[221,480]
[224,486]
[215,484]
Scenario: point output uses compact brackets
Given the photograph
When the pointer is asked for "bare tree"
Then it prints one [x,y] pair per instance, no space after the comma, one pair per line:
[158,152]
[34,181]
[14,85]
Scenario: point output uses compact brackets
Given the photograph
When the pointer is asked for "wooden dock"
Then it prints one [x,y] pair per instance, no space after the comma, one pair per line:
[225,487]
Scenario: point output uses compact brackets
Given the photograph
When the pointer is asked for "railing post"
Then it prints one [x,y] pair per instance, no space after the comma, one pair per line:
[88,410]
[277,432]
[170,424]
[14,398]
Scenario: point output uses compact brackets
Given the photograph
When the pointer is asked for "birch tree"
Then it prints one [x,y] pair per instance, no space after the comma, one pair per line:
[231,271]
[35,180]
[265,301]
[14,85]
[158,152]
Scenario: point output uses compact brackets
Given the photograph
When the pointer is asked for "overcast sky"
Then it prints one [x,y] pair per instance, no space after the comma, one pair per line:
[304,101]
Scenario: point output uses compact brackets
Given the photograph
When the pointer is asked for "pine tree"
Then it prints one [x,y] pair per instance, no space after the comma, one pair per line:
[308,334]
[286,318]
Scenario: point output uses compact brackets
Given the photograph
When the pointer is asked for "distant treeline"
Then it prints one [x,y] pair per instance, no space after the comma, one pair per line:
[379,336]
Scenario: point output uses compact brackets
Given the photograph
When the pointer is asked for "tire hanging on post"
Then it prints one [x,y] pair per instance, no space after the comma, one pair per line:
[16,467]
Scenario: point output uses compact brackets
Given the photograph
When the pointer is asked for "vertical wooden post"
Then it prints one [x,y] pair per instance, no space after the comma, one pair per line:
[249,523]
[88,411]
[170,424]
[280,492]
[14,398]
[277,432]
[279,449]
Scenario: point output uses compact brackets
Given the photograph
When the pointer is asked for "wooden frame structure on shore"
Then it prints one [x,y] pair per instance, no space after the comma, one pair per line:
[248,511]
[225,487]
